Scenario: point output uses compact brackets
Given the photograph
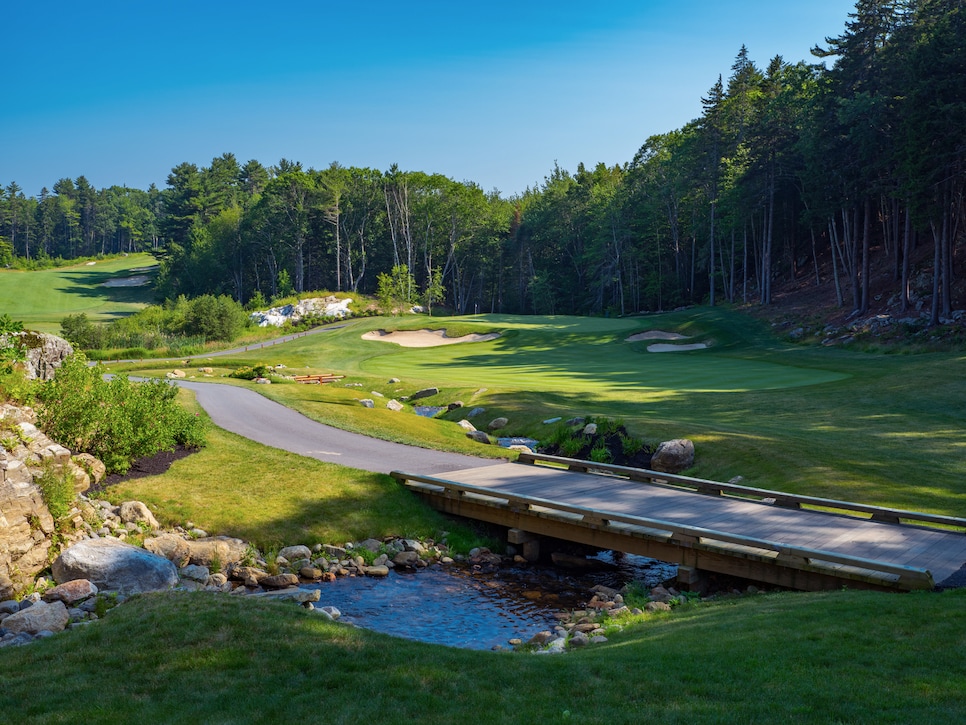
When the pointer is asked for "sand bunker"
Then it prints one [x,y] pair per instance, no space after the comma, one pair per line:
[663,347]
[426,338]
[656,335]
[136,281]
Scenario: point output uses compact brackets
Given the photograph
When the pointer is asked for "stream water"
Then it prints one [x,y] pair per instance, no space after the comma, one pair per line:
[461,607]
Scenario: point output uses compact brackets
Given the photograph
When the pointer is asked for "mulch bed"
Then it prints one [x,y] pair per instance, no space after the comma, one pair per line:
[148,466]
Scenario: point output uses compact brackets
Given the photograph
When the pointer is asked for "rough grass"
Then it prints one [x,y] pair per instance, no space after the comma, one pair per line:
[42,298]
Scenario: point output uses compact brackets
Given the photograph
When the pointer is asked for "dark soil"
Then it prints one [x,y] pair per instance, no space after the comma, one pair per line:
[614,445]
[148,466]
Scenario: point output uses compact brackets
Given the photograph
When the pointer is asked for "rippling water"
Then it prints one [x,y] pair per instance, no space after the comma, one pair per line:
[460,607]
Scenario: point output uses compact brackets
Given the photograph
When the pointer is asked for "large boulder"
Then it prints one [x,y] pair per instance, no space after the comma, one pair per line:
[25,525]
[673,456]
[39,617]
[115,566]
[43,353]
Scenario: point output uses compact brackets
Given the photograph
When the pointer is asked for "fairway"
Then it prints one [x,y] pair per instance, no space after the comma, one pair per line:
[40,299]
[585,355]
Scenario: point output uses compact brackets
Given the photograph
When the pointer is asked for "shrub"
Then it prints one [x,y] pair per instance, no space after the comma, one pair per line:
[57,491]
[599,453]
[257,371]
[115,420]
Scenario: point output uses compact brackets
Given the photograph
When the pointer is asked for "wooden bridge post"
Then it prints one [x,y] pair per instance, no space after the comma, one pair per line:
[692,579]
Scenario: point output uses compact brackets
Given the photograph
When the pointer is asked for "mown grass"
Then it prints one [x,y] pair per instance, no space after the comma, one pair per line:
[41,298]
[844,657]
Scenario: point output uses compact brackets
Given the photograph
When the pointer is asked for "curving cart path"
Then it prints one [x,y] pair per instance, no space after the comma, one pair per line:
[254,416]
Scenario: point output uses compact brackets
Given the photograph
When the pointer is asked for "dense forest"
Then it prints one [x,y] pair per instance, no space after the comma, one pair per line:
[792,171]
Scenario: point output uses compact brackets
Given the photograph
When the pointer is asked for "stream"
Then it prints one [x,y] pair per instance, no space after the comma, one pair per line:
[459,606]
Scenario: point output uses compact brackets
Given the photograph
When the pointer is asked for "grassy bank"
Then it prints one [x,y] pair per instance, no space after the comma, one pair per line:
[845,657]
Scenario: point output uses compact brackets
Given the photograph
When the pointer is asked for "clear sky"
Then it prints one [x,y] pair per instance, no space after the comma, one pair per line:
[491,92]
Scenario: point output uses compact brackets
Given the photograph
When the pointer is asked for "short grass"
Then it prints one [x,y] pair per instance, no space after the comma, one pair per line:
[842,657]
[42,298]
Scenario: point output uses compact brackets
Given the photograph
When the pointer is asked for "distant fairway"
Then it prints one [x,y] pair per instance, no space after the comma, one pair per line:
[41,299]
[586,355]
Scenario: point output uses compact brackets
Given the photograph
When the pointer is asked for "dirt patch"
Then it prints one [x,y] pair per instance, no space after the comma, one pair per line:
[656,335]
[426,338]
[148,466]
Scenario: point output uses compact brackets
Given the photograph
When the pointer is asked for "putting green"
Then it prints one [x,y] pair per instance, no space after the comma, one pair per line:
[585,355]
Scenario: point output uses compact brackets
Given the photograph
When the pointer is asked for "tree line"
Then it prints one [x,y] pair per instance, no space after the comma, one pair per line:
[792,171]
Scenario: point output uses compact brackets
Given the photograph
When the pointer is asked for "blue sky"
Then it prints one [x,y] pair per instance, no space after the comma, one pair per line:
[493,92]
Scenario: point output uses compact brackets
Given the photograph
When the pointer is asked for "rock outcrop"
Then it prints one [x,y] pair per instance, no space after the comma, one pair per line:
[43,353]
[26,525]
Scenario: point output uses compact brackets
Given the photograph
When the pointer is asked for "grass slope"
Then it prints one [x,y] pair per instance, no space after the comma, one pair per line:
[845,657]
[42,298]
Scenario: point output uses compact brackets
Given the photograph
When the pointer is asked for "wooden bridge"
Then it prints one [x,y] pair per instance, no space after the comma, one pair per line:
[793,541]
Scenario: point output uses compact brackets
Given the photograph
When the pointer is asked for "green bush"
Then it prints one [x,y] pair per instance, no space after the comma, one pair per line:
[115,420]
[257,371]
[57,491]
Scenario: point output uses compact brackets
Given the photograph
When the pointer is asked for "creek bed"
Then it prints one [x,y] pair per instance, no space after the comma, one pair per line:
[460,606]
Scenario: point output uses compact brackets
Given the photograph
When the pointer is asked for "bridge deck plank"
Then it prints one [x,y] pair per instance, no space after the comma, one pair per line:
[941,552]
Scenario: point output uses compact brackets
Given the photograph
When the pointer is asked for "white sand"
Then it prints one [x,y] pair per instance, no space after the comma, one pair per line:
[136,281]
[425,338]
[662,347]
[656,335]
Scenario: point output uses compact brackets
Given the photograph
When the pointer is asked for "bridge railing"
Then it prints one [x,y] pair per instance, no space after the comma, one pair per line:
[685,536]
[749,493]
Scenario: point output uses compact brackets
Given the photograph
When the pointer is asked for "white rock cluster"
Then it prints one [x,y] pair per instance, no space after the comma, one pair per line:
[314,306]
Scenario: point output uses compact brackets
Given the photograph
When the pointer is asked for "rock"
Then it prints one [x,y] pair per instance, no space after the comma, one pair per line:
[376,394]
[475,412]
[424,393]
[336,551]
[195,572]
[135,512]
[296,552]
[673,456]
[579,640]
[71,592]
[590,429]
[177,374]
[497,423]
[331,611]
[367,403]
[393,381]
[9,606]
[42,353]
[262,381]
[115,566]
[94,467]
[278,581]
[221,550]
[575,421]
[291,594]
[478,435]
[171,547]
[377,571]
[394,405]
[406,558]
[310,572]
[454,405]
[653,607]
[52,617]
[660,594]
[466,425]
